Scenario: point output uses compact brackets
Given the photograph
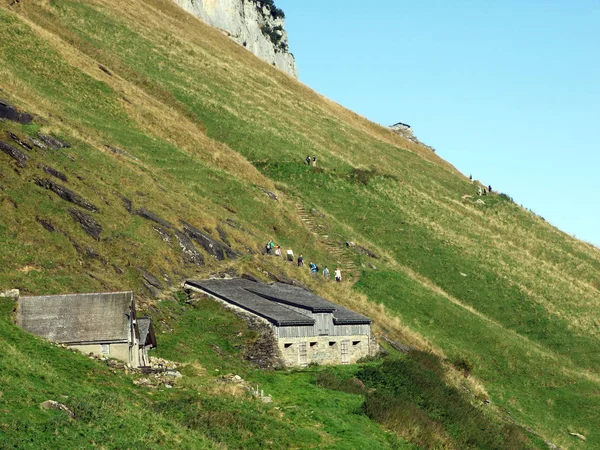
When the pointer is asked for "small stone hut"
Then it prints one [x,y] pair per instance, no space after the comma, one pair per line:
[104,324]
[308,328]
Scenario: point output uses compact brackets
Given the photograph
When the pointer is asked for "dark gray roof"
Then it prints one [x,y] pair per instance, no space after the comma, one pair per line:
[78,318]
[145,331]
[292,295]
[269,299]
[235,292]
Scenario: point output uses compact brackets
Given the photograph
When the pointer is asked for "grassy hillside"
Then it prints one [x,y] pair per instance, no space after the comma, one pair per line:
[170,121]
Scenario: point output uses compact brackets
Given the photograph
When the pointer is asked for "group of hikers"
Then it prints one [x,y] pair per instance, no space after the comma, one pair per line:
[271,249]
[483,191]
[311,161]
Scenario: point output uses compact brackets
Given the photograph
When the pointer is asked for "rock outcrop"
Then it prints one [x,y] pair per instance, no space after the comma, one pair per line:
[255,24]
[406,132]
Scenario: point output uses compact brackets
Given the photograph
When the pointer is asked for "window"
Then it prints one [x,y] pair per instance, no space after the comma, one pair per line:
[355,342]
[331,343]
[105,349]
[287,345]
[314,344]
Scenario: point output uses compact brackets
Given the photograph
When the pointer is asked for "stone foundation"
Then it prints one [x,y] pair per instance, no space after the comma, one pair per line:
[325,350]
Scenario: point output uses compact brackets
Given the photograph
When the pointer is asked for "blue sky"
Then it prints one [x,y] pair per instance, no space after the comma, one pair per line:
[506,90]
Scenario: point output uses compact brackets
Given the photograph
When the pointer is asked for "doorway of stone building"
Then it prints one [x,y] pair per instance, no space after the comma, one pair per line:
[302,354]
[345,354]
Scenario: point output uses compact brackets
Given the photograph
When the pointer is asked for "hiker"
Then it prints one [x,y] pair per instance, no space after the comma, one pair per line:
[314,161]
[290,255]
[326,273]
[490,188]
[313,268]
[484,191]
[270,246]
[338,275]
[278,251]
[479,191]
[471,177]
[308,160]
[300,261]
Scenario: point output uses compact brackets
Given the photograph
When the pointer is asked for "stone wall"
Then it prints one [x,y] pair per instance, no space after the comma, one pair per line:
[120,351]
[245,23]
[324,350]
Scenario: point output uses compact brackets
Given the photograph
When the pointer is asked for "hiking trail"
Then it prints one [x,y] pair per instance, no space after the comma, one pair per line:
[336,248]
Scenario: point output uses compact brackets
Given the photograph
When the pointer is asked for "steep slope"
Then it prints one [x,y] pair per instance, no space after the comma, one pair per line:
[168,120]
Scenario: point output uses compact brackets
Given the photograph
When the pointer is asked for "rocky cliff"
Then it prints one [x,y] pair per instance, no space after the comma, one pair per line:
[255,24]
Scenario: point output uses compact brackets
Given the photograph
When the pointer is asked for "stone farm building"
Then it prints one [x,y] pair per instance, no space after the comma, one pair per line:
[308,328]
[104,324]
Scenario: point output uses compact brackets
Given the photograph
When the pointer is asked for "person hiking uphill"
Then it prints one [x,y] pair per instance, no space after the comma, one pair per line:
[300,261]
[307,160]
[313,268]
[326,273]
[270,246]
[338,274]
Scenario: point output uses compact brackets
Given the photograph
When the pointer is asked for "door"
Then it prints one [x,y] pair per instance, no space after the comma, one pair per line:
[345,353]
[302,354]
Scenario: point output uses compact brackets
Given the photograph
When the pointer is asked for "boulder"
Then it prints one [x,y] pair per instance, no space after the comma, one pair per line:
[11,293]
[52,404]
[173,373]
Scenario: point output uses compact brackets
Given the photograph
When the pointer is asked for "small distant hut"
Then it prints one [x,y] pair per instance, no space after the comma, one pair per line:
[308,328]
[401,127]
[103,324]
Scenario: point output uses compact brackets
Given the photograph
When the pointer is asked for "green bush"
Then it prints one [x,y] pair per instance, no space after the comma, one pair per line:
[275,12]
[409,396]
[330,380]
[464,365]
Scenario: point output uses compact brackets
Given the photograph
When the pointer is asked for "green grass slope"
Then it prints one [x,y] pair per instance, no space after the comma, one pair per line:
[201,129]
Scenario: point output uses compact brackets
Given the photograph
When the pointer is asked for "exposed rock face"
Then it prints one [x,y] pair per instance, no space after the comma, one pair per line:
[66,194]
[87,222]
[8,111]
[14,153]
[258,28]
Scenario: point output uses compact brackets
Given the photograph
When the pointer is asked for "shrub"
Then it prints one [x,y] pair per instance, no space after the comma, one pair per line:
[276,13]
[409,396]
[330,380]
[464,365]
